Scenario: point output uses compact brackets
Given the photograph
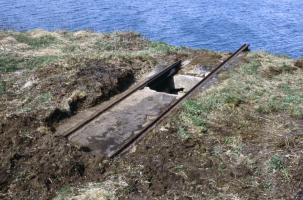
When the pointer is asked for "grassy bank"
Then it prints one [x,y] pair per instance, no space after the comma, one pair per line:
[239,139]
[28,50]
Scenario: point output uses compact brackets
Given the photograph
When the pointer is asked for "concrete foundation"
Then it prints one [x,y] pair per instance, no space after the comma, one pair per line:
[109,130]
[186,82]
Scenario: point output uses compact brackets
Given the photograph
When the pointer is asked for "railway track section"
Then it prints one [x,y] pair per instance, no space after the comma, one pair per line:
[107,130]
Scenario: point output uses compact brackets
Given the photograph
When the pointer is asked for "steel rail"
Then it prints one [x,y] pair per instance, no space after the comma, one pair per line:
[127,143]
[137,87]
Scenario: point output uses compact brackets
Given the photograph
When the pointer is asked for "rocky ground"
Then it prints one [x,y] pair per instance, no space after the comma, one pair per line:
[239,139]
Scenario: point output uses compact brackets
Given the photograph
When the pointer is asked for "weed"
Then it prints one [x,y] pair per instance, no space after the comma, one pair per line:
[64,193]
[193,107]
[183,133]
[268,185]
[197,111]
[39,61]
[291,101]
[221,168]
[25,109]
[251,68]
[161,47]
[102,45]
[71,48]
[228,140]
[297,112]
[2,87]
[44,98]
[35,43]
[285,173]
[276,163]
[10,63]
[179,168]
[193,112]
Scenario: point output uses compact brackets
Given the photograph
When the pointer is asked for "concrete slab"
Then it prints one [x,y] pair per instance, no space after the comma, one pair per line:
[105,133]
[185,81]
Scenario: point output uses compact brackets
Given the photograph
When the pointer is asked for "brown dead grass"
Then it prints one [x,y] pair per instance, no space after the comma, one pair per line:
[299,63]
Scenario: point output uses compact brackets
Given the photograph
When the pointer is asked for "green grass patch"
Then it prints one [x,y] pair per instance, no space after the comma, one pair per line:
[40,61]
[44,98]
[196,110]
[276,163]
[183,133]
[35,43]
[250,68]
[246,85]
[161,47]
[103,45]
[11,63]
[64,192]
[2,87]
[71,48]
[287,100]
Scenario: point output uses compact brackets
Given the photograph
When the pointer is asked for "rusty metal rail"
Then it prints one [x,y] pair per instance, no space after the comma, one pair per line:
[165,72]
[134,138]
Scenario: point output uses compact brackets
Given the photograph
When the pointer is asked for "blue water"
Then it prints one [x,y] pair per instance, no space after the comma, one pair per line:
[271,25]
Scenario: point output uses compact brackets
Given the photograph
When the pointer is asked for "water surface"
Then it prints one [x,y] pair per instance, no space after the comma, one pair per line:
[271,25]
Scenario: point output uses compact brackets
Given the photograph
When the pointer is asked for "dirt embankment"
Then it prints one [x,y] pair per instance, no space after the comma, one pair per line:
[47,77]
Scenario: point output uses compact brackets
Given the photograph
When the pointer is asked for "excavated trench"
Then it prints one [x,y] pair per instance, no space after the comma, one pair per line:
[105,133]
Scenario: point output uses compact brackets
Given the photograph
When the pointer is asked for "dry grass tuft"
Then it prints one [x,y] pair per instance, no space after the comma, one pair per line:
[299,63]
[93,191]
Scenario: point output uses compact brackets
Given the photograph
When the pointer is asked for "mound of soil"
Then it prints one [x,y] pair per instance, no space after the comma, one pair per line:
[35,162]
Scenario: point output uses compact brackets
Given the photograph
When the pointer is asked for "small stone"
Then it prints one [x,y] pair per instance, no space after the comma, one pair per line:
[133,149]
[163,129]
[29,84]
[77,95]
[43,129]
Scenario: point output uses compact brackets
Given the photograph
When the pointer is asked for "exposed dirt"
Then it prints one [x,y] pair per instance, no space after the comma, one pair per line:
[194,169]
[34,162]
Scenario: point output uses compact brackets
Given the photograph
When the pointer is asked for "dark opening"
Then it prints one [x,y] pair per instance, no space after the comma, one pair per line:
[165,83]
